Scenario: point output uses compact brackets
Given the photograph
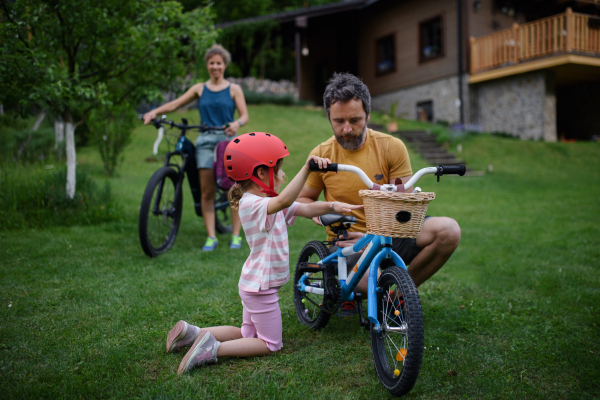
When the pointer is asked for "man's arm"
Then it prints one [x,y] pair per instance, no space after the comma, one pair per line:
[404,180]
[308,195]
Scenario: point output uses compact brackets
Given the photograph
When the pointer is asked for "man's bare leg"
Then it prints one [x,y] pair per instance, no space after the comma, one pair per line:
[438,239]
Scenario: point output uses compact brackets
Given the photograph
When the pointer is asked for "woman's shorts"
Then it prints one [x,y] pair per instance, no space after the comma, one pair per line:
[262,317]
[205,148]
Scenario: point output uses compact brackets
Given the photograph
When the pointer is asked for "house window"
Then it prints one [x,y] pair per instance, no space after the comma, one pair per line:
[425,111]
[386,56]
[431,39]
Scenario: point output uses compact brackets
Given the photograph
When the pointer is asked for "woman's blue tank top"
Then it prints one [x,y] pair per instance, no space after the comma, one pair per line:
[216,108]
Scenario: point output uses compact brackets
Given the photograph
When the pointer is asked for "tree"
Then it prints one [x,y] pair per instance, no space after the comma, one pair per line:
[70,55]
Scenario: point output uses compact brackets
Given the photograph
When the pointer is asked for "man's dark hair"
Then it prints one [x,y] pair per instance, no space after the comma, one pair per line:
[344,87]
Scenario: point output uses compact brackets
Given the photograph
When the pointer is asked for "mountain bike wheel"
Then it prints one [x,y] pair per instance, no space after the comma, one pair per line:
[307,304]
[160,212]
[398,348]
[222,212]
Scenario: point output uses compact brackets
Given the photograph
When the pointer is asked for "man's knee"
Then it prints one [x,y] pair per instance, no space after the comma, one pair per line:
[448,233]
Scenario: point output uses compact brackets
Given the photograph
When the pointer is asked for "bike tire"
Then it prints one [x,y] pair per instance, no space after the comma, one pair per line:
[387,345]
[222,212]
[315,318]
[158,227]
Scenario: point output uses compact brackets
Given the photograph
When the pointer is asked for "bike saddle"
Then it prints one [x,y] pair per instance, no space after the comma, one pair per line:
[330,219]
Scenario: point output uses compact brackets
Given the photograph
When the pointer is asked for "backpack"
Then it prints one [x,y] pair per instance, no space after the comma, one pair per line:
[219,172]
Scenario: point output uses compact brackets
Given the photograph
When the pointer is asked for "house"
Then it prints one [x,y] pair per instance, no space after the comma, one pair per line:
[530,68]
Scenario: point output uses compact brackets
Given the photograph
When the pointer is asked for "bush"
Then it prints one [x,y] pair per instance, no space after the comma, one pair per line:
[272,98]
[31,197]
[21,144]
[111,129]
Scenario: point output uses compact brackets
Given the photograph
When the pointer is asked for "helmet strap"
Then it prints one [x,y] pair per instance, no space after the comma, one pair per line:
[269,190]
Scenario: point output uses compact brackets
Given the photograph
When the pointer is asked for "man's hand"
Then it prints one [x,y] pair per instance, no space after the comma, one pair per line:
[317,221]
[353,237]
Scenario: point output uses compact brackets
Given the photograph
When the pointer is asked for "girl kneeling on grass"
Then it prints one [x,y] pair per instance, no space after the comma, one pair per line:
[254,161]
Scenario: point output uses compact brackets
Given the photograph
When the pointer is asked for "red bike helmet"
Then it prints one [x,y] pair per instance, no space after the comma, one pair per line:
[250,150]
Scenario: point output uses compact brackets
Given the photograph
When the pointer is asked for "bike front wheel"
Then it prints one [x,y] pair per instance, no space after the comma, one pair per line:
[398,348]
[160,212]
[307,305]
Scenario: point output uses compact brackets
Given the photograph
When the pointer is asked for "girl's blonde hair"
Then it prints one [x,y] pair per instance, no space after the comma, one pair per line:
[237,191]
[217,49]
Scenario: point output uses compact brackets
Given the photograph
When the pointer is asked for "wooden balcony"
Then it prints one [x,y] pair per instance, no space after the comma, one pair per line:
[561,39]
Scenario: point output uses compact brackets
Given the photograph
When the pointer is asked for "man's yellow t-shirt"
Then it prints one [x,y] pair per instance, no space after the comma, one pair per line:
[382,157]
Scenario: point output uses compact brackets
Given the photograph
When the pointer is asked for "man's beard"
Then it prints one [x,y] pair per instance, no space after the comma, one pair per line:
[351,142]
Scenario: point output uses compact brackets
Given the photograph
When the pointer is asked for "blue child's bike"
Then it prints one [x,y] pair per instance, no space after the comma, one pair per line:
[394,315]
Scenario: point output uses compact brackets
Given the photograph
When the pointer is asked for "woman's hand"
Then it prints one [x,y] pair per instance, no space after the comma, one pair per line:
[322,162]
[232,128]
[149,116]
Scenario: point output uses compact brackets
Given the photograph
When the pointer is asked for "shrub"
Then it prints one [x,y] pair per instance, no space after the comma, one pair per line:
[36,197]
[111,129]
[253,97]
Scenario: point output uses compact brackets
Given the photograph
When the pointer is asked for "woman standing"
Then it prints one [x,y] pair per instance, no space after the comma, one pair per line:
[218,99]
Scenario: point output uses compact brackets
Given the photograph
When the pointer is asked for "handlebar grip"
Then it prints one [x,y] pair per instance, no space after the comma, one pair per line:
[313,166]
[452,169]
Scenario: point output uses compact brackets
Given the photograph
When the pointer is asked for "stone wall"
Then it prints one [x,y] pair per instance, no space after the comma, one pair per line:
[523,105]
[443,93]
[281,87]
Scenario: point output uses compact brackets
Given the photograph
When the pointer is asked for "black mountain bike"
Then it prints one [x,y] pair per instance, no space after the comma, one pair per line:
[160,212]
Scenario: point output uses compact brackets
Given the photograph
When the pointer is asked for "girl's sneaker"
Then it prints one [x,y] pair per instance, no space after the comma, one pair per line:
[236,242]
[210,244]
[182,335]
[203,351]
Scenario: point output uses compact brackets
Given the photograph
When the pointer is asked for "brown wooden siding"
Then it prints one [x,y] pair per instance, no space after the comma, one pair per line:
[403,21]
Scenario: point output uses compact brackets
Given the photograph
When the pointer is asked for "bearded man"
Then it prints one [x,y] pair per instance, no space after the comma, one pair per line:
[383,158]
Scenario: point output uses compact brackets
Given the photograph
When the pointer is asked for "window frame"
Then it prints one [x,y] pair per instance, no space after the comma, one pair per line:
[442,54]
[377,58]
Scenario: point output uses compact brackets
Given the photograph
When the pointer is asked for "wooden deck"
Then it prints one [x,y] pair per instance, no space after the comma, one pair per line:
[566,33]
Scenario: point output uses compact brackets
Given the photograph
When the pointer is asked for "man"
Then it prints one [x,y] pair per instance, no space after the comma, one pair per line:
[347,103]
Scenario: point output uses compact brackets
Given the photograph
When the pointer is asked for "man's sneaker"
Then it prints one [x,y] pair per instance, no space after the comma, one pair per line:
[236,242]
[210,244]
[203,351]
[182,335]
[348,308]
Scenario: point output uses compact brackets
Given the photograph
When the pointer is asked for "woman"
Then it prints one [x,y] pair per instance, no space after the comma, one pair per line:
[218,99]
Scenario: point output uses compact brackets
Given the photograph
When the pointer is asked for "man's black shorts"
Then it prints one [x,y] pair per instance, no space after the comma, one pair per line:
[406,248]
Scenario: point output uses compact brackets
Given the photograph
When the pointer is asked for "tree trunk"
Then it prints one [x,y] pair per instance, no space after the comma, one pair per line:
[59,131]
[39,120]
[70,143]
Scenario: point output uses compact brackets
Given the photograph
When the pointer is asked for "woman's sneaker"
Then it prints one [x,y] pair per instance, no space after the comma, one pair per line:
[182,335]
[236,242]
[210,244]
[203,351]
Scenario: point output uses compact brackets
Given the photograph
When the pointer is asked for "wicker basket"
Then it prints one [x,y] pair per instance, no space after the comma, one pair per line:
[385,210]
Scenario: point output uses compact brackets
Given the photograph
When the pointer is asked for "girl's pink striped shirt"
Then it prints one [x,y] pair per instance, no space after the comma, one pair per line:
[268,263]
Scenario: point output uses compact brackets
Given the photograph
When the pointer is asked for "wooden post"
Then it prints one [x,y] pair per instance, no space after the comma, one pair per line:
[472,54]
[515,54]
[569,41]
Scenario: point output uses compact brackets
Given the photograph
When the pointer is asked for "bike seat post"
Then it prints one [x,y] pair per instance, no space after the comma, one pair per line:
[342,270]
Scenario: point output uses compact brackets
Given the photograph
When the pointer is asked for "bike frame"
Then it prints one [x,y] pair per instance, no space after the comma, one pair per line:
[379,248]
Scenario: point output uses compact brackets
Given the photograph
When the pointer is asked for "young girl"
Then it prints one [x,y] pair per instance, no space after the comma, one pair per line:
[254,161]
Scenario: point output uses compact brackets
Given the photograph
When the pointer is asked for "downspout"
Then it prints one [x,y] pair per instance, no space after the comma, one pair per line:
[460,59]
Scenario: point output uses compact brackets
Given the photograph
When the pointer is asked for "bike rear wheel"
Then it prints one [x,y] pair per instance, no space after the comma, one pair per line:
[307,304]
[398,348]
[160,212]
[222,212]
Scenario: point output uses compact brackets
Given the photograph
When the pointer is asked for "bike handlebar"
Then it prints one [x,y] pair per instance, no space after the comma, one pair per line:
[184,126]
[438,171]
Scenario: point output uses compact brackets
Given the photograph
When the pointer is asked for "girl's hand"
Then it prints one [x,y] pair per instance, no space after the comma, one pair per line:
[341,208]
[232,128]
[323,162]
[149,116]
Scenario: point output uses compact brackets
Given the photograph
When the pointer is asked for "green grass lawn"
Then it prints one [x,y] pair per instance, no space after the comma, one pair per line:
[514,313]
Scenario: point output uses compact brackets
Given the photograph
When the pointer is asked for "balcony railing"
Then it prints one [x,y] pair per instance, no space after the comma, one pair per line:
[568,32]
